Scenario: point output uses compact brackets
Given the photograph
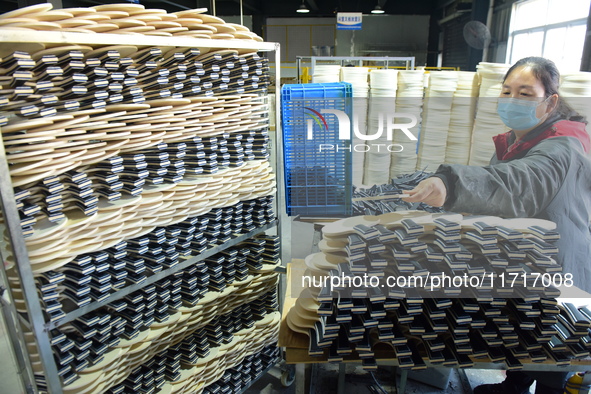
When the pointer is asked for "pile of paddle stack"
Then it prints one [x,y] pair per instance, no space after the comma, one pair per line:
[125,18]
[436,119]
[507,317]
[130,162]
[380,199]
[487,122]
[237,378]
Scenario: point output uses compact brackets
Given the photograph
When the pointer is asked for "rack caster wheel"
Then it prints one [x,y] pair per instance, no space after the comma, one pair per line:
[288,376]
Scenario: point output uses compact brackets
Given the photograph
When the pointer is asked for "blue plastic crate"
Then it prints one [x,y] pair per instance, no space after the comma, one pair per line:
[317,178]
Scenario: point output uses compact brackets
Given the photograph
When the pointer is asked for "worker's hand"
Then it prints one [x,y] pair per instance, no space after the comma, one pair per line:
[431,191]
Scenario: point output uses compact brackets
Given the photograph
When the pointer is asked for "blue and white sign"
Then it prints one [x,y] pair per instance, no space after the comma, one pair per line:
[349,21]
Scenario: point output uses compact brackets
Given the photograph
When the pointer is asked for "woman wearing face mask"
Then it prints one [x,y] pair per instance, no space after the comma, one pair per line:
[540,169]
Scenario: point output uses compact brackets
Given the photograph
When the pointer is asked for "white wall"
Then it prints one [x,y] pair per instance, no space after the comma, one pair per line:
[297,36]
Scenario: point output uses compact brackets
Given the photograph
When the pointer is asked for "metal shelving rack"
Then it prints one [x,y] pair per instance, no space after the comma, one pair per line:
[34,319]
[386,60]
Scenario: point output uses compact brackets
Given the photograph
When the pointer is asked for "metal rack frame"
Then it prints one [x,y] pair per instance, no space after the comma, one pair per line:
[34,317]
[409,60]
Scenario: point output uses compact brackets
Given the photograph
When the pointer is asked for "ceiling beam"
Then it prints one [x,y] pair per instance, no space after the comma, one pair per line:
[313,5]
[248,6]
[26,3]
[182,7]
[444,3]
[90,2]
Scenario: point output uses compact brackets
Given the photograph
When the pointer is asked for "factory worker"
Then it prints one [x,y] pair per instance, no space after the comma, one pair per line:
[541,169]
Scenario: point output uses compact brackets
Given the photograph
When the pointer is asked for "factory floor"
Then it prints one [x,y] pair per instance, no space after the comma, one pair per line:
[11,381]
[358,381]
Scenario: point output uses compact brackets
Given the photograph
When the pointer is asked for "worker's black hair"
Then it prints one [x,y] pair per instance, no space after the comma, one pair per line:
[546,72]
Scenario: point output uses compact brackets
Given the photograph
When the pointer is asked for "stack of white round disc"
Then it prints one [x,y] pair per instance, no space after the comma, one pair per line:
[410,83]
[575,89]
[462,118]
[383,85]
[487,123]
[377,157]
[409,101]
[360,105]
[357,77]
[436,119]
[326,73]
[124,18]
[426,78]
[576,84]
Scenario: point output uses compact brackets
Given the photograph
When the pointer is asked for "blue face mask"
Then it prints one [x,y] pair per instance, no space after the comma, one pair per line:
[518,114]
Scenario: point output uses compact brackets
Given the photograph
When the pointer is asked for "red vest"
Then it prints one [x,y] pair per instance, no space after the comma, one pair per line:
[563,128]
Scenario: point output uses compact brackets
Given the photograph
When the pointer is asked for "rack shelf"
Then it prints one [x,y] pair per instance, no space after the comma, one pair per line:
[60,37]
[17,245]
[155,278]
[245,388]
[409,61]
[20,317]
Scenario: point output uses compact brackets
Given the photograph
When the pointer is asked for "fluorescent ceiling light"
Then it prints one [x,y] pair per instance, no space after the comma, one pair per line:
[377,10]
[303,9]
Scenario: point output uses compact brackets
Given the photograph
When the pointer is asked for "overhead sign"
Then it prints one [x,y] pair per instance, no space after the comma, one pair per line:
[349,21]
